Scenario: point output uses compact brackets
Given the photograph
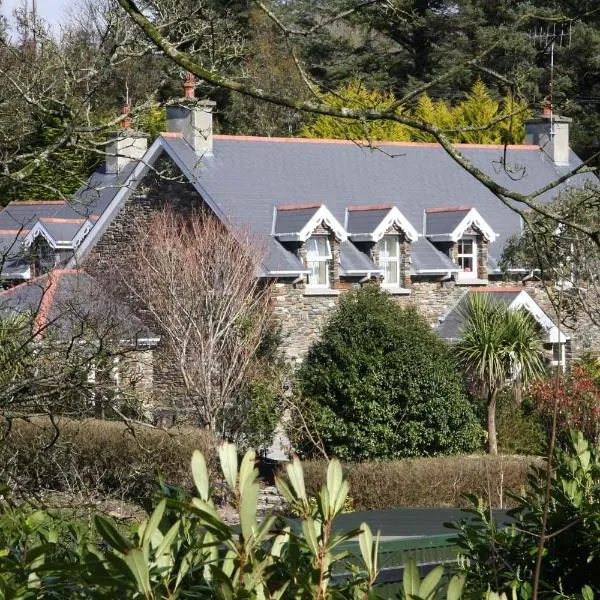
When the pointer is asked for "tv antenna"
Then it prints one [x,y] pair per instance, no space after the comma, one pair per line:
[548,37]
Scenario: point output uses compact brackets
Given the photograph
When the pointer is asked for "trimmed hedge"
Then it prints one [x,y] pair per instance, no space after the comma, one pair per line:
[98,459]
[428,482]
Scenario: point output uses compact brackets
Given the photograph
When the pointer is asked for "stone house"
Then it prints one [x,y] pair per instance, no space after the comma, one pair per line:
[334,214]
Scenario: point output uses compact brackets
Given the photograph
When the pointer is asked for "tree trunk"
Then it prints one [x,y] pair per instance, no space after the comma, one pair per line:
[492,443]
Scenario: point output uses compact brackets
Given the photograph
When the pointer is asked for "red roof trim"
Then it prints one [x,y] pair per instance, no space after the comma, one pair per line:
[26,202]
[495,289]
[171,134]
[448,209]
[14,231]
[371,207]
[59,220]
[251,138]
[297,206]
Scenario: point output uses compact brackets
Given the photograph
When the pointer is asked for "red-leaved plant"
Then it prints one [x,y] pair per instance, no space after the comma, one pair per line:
[578,401]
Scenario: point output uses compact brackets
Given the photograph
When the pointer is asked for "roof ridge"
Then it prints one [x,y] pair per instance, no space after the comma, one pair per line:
[256,138]
[29,202]
[366,207]
[40,322]
[297,206]
[493,288]
[439,209]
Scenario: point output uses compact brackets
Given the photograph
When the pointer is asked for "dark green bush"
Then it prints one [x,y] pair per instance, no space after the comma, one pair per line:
[381,384]
[429,482]
[520,428]
[97,459]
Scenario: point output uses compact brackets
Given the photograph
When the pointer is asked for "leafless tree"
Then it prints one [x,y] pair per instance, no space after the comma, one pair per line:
[198,283]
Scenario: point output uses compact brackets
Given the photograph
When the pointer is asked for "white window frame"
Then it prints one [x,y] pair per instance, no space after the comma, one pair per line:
[314,260]
[472,274]
[385,261]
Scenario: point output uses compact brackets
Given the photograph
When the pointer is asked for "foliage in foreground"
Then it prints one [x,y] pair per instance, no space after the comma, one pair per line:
[504,558]
[185,549]
[381,384]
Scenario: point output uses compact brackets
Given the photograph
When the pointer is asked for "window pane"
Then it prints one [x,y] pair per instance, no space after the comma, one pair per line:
[465,247]
[318,272]
[390,272]
[465,262]
[318,248]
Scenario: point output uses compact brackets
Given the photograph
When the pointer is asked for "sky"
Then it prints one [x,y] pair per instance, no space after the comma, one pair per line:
[53,11]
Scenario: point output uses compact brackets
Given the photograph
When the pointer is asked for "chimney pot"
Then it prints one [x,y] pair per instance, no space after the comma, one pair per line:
[126,122]
[189,87]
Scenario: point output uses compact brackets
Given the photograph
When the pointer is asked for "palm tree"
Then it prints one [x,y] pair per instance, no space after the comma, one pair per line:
[498,345]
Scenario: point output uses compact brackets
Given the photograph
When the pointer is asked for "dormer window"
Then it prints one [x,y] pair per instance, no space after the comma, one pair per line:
[388,249]
[466,256]
[318,258]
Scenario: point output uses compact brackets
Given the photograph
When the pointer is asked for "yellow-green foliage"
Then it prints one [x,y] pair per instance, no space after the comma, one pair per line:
[477,110]
[356,95]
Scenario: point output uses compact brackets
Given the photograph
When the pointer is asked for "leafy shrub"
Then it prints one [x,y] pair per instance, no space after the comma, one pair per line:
[381,384]
[504,558]
[577,398]
[185,550]
[96,458]
[429,482]
[520,428]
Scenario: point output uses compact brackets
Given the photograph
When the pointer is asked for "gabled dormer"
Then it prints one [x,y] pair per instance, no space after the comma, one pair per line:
[385,234]
[463,234]
[315,236]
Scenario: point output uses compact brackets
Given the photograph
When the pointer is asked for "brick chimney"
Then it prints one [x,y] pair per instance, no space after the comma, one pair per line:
[551,133]
[124,146]
[193,119]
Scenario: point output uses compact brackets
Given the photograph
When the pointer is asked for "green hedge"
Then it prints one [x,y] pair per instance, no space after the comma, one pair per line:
[96,458]
[429,482]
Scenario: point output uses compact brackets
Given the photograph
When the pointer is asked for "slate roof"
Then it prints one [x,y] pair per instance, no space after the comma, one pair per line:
[450,326]
[62,220]
[292,219]
[444,221]
[426,258]
[246,177]
[365,220]
[64,301]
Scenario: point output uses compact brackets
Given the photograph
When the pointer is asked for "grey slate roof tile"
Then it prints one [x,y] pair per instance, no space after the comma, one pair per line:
[292,220]
[353,261]
[427,258]
[365,221]
[246,177]
[450,326]
[443,221]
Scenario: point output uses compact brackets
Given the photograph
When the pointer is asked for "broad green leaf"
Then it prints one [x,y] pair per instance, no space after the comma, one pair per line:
[200,474]
[111,535]
[310,536]
[247,471]
[296,477]
[280,541]
[248,506]
[587,593]
[134,560]
[455,587]
[154,521]
[365,542]
[430,582]
[284,489]
[411,579]
[229,463]
[334,478]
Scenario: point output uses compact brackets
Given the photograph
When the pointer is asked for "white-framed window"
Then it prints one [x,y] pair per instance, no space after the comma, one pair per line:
[466,256]
[318,258]
[388,248]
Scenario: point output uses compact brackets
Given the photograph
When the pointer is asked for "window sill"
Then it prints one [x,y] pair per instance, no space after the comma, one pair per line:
[321,292]
[396,291]
[466,281]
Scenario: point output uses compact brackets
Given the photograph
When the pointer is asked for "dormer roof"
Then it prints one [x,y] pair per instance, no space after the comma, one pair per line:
[296,223]
[449,224]
[370,223]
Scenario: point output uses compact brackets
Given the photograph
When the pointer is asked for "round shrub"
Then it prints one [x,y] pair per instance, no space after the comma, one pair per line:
[381,384]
